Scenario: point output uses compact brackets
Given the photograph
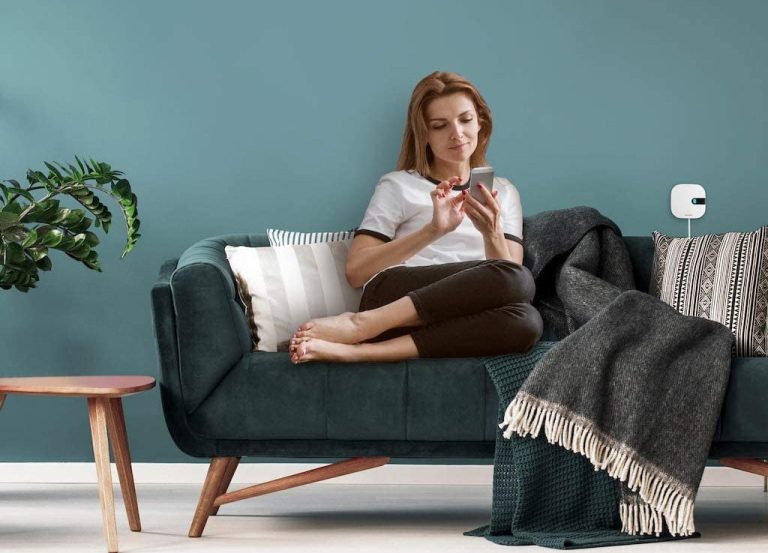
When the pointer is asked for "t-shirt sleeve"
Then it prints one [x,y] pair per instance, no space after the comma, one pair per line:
[512,214]
[384,213]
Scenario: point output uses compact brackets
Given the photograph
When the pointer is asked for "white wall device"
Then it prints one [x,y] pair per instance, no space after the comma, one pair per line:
[688,201]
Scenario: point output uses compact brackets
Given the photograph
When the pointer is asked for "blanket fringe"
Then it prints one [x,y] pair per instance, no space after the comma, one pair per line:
[663,496]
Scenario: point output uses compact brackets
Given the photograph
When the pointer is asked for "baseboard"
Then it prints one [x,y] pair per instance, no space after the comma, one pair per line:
[249,473]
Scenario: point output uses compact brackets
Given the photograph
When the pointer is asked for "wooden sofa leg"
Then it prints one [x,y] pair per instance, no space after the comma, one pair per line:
[227,480]
[213,480]
[755,466]
[356,464]
[222,469]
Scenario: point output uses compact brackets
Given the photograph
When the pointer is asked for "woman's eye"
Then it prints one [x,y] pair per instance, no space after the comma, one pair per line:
[438,127]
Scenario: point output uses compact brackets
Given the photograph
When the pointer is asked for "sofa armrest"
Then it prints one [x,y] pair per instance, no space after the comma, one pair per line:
[212,333]
[168,354]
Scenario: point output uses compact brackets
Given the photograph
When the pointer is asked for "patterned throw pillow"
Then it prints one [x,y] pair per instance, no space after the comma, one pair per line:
[721,277]
[285,286]
[291,238]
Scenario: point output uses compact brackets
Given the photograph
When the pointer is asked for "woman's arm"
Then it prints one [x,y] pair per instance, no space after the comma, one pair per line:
[487,219]
[499,247]
[369,255]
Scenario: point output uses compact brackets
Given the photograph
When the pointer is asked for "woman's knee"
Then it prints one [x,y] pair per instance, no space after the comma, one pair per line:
[524,325]
[513,282]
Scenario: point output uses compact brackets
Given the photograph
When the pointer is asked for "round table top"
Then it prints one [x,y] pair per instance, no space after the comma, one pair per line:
[86,386]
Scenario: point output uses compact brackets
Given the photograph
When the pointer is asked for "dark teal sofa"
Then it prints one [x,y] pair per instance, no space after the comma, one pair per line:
[223,401]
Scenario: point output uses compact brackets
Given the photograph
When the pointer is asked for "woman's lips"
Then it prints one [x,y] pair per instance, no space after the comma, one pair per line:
[459,147]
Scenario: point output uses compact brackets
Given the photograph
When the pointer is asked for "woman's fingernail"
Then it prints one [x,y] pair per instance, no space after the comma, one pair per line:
[479,185]
[463,192]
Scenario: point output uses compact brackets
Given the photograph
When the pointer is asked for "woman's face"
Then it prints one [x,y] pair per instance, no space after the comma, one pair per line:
[452,127]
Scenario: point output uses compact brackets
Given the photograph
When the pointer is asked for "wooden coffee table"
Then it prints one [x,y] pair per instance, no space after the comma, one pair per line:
[105,411]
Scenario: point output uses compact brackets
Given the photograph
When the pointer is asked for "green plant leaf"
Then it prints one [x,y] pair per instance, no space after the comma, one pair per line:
[81,251]
[65,244]
[44,263]
[30,239]
[80,192]
[61,215]
[122,188]
[8,219]
[14,254]
[74,217]
[53,169]
[43,212]
[12,207]
[50,236]
[37,252]
[16,233]
[80,226]
[38,176]
[24,194]
[91,238]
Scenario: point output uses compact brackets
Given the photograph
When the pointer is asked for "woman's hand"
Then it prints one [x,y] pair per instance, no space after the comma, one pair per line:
[447,211]
[486,218]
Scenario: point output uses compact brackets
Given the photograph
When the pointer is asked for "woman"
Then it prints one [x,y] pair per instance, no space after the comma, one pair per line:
[442,272]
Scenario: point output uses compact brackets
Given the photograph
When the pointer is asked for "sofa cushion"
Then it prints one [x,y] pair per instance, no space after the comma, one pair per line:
[285,286]
[720,277]
[266,397]
[745,409]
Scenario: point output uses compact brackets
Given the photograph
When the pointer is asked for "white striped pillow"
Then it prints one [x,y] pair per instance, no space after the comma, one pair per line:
[721,277]
[286,286]
[292,238]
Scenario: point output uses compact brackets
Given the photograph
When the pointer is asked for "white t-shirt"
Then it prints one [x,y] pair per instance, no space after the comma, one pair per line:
[401,204]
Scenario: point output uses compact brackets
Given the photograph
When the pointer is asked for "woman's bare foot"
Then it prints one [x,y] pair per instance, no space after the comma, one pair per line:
[340,329]
[294,344]
[315,349]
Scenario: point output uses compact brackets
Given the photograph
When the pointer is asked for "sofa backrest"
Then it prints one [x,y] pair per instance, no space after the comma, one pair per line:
[641,252]
[211,250]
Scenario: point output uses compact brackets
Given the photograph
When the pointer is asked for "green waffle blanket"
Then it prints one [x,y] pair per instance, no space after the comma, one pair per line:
[542,494]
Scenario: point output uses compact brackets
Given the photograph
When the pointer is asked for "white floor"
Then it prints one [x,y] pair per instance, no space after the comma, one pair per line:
[324,518]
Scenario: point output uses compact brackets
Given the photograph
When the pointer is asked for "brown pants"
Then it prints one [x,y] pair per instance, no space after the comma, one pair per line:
[469,308]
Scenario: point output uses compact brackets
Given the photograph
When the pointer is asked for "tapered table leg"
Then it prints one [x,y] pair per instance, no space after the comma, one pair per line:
[119,440]
[97,414]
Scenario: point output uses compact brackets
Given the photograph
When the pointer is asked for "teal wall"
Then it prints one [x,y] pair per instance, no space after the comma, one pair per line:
[233,116]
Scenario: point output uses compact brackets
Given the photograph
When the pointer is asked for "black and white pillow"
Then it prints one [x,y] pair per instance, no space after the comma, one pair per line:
[285,286]
[292,238]
[721,277]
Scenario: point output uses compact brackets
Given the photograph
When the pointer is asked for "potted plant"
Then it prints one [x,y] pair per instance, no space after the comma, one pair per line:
[30,227]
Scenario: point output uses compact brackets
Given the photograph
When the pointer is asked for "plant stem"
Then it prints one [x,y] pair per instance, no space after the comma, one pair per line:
[31,206]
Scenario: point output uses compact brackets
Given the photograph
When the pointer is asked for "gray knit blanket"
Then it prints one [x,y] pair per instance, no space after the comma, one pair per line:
[632,385]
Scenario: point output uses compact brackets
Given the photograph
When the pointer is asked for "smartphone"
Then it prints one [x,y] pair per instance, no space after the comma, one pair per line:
[480,175]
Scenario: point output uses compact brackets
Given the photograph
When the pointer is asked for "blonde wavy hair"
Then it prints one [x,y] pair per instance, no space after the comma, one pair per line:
[415,152]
